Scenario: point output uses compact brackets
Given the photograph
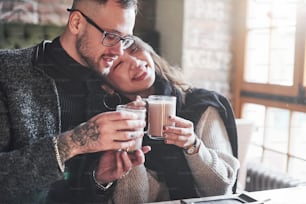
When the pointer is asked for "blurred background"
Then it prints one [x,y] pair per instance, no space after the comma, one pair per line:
[251,51]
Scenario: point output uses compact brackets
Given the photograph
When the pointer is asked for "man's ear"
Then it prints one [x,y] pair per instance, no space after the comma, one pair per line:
[75,22]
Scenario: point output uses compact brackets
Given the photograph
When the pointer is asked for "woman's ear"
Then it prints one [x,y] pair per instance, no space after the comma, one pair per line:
[108,89]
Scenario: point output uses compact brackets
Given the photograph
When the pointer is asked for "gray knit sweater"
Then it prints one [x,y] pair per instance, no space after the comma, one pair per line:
[29,118]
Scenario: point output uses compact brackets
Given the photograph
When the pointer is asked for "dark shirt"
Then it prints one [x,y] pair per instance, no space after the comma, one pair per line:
[80,98]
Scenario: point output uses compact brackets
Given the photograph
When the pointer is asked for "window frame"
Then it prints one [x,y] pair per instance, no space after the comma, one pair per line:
[294,95]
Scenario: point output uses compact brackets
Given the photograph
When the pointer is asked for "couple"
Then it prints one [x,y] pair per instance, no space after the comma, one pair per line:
[57,135]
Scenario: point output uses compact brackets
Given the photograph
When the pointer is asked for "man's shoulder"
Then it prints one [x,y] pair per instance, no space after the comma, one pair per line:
[11,56]
[15,62]
[21,57]
[12,51]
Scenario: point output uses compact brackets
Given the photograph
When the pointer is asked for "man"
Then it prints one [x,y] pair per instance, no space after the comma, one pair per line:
[51,132]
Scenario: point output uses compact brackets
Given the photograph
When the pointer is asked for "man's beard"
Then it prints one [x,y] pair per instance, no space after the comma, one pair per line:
[84,53]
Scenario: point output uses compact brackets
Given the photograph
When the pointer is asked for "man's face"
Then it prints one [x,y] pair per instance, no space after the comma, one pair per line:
[111,18]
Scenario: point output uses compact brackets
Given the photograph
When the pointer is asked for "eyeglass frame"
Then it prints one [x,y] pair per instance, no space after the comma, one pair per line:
[105,33]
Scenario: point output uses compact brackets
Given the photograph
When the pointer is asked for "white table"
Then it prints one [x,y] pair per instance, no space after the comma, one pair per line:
[294,195]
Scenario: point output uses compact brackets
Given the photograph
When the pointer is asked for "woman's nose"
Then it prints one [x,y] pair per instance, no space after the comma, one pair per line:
[135,62]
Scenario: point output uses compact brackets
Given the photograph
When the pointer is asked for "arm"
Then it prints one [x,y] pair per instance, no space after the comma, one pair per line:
[29,165]
[214,166]
[105,131]
[133,183]
[26,167]
[139,186]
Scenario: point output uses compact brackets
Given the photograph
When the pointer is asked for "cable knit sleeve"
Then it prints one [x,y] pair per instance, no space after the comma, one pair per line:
[214,167]
[139,186]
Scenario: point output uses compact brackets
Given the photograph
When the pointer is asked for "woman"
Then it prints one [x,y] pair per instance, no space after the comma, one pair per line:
[197,157]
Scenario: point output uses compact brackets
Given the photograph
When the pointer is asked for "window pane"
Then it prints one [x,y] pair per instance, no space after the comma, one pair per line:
[266,13]
[283,12]
[282,56]
[256,114]
[277,129]
[275,161]
[258,13]
[297,168]
[254,154]
[257,57]
[298,135]
[270,43]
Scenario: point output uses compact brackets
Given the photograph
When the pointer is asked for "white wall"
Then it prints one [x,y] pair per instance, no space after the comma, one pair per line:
[169,23]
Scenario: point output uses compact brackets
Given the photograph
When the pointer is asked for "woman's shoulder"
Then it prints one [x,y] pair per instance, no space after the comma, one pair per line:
[203,96]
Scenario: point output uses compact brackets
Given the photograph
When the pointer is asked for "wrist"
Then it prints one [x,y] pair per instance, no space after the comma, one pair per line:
[103,187]
[194,148]
[65,147]
[60,162]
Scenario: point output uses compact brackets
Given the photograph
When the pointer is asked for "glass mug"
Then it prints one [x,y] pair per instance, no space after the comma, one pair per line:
[159,109]
[141,113]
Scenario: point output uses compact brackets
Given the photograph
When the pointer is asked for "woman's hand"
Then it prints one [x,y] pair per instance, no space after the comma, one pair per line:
[182,134]
[138,102]
[114,165]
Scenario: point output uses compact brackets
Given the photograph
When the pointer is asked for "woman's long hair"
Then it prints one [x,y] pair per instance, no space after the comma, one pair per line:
[172,74]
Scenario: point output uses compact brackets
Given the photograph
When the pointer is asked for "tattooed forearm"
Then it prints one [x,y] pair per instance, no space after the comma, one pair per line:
[69,143]
[63,148]
[85,132]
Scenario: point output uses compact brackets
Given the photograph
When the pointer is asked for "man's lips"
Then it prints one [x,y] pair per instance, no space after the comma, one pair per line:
[109,59]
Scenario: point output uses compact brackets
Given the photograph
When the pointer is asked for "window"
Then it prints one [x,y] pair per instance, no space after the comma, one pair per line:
[270,80]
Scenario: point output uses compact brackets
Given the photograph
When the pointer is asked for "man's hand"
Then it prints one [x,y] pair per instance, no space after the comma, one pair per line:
[114,165]
[105,131]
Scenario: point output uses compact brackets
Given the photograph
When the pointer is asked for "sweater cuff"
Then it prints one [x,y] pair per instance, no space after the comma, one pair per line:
[61,165]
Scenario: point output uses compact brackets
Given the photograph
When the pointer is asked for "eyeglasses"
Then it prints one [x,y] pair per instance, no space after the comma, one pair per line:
[109,39]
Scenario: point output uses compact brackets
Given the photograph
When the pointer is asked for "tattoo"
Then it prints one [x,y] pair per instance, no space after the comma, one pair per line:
[85,132]
[63,148]
[76,138]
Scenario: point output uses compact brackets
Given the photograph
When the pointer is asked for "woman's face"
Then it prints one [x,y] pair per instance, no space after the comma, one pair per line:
[133,73]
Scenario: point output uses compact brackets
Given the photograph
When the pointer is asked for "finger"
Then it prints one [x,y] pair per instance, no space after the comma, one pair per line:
[122,145]
[128,125]
[173,138]
[180,141]
[146,149]
[118,161]
[137,103]
[178,131]
[115,115]
[139,153]
[180,122]
[123,136]
[126,162]
[138,98]
[137,158]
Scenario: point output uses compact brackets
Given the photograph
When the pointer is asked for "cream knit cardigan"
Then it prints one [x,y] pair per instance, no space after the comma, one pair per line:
[214,168]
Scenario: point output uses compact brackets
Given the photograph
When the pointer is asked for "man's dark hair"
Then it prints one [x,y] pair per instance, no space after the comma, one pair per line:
[123,3]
